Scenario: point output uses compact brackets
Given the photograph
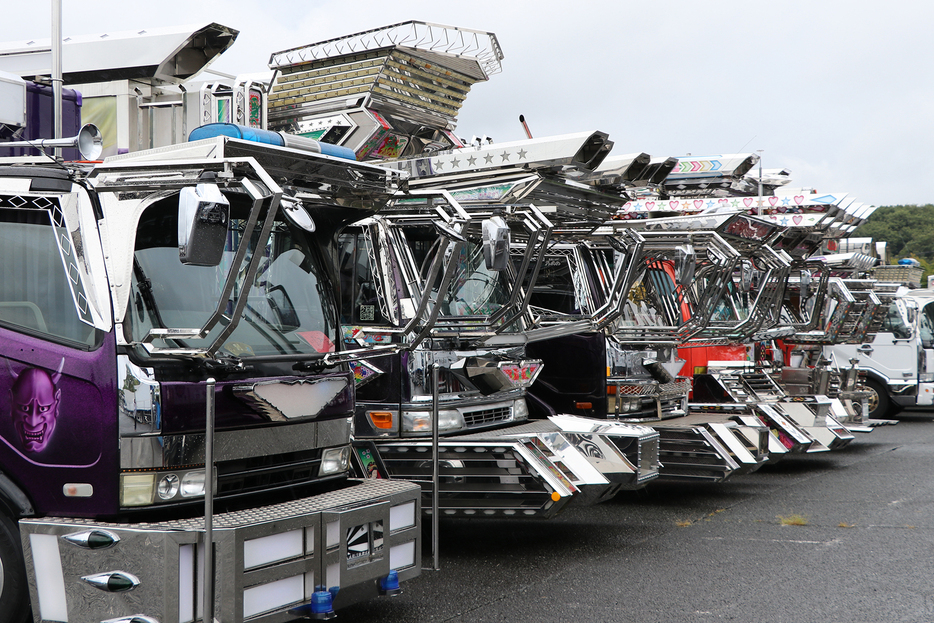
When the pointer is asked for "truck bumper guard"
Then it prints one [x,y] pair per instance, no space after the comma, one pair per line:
[267,560]
[529,470]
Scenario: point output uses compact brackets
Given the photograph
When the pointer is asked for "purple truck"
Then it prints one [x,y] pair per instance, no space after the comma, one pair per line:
[168,328]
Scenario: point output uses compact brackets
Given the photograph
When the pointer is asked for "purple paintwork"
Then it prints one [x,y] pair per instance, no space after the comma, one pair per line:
[34,406]
[81,445]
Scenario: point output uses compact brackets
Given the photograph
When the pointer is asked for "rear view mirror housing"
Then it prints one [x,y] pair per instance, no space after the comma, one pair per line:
[496,239]
[203,217]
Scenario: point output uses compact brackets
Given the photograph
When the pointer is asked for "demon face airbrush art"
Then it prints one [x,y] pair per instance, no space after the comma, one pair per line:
[34,402]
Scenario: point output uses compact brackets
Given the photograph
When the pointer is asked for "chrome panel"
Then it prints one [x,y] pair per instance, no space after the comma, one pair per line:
[171,451]
[155,552]
[283,401]
[139,399]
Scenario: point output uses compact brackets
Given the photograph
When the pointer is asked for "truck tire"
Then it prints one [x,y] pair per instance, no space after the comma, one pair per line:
[879,403]
[14,591]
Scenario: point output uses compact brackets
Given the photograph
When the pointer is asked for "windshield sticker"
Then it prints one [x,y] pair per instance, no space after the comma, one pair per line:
[317,340]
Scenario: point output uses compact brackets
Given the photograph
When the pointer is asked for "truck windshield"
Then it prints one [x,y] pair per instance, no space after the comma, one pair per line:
[474,290]
[896,323]
[289,309]
[554,288]
[926,325]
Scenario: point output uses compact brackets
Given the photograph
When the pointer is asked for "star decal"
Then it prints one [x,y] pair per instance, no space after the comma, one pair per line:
[488,159]
[735,203]
[710,204]
[440,164]
[522,154]
[471,161]
[786,201]
[455,163]
[504,156]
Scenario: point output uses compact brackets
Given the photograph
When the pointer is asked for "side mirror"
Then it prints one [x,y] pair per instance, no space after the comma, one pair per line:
[203,215]
[496,243]
[805,281]
[746,277]
[685,264]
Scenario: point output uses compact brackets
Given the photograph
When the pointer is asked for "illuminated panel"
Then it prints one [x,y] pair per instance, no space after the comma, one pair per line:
[334,534]
[272,548]
[186,583]
[402,516]
[48,564]
[266,597]
[310,539]
[402,556]
[748,229]
[521,374]
[334,574]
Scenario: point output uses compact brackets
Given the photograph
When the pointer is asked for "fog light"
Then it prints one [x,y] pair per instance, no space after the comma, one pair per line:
[168,487]
[334,460]
[520,410]
[137,489]
[192,484]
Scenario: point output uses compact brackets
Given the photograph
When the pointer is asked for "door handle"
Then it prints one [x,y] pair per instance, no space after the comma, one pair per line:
[865,348]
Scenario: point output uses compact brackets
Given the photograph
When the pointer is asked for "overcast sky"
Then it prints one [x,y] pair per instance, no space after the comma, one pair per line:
[840,93]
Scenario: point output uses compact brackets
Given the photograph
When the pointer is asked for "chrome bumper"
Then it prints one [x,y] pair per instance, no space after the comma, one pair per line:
[267,560]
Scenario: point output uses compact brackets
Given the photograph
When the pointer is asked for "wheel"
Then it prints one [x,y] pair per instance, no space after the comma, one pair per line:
[879,403]
[14,592]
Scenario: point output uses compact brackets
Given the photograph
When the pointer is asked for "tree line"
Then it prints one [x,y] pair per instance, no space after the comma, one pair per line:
[907,230]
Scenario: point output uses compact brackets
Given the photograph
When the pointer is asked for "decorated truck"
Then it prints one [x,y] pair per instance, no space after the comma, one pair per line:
[629,370]
[173,386]
[392,95]
[737,372]
[895,352]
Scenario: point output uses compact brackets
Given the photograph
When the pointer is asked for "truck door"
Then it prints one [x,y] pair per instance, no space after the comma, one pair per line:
[893,350]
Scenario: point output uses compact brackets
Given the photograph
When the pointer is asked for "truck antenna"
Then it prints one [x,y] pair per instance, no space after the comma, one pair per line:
[525,126]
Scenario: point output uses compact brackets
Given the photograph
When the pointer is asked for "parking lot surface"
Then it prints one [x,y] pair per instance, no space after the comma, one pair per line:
[843,536]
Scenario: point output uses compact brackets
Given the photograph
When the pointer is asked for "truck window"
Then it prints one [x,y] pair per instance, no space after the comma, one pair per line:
[895,323]
[289,310]
[554,288]
[35,295]
[360,302]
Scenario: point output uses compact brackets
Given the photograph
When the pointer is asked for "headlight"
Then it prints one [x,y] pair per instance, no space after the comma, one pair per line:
[168,487]
[145,488]
[520,410]
[334,461]
[420,421]
[192,484]
[137,489]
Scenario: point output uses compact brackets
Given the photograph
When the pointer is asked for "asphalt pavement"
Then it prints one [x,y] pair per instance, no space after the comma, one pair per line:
[843,536]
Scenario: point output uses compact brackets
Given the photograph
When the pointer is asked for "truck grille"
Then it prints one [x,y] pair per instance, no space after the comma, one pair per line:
[267,472]
[484,417]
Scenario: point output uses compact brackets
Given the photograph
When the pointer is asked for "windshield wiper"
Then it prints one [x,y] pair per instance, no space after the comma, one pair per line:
[224,364]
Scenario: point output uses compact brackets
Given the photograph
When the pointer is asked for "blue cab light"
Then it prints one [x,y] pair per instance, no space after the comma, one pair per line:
[233,130]
[279,139]
[322,601]
[389,585]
